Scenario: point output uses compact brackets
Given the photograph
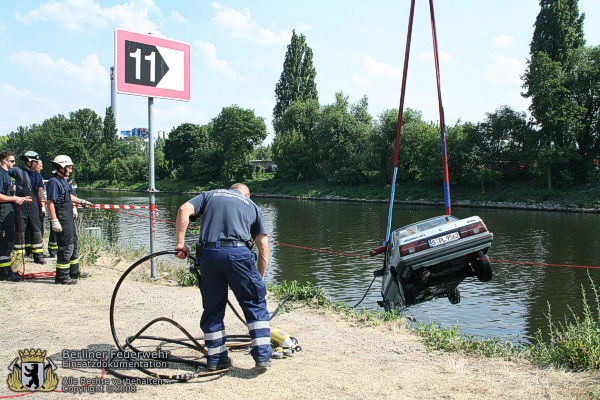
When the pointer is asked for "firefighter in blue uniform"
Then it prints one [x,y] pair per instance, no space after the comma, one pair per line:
[7,216]
[29,183]
[229,221]
[39,165]
[60,200]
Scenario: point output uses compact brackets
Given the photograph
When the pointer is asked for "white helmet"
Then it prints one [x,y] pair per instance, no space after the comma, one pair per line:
[62,161]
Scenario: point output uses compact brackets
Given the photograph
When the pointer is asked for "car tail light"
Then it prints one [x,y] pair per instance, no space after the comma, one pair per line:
[472,229]
[413,247]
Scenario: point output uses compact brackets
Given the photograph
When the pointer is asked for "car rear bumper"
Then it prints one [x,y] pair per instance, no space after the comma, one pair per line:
[445,252]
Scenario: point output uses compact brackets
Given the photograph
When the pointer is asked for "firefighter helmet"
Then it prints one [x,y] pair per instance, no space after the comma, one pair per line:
[61,162]
[29,156]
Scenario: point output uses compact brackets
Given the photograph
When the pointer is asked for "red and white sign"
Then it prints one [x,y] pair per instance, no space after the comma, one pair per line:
[150,66]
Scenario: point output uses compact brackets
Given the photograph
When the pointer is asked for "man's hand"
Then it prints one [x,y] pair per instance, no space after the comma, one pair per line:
[43,212]
[75,213]
[56,227]
[20,200]
[85,203]
[183,250]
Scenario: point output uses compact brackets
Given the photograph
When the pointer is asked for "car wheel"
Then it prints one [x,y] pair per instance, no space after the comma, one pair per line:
[454,295]
[482,267]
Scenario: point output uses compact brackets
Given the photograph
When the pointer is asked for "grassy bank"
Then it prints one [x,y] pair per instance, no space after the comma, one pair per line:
[583,196]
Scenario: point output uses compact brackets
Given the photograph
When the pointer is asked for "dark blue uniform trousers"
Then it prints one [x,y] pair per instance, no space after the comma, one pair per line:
[236,267]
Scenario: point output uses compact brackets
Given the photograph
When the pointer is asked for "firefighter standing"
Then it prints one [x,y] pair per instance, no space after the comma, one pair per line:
[7,216]
[60,199]
[229,221]
[39,166]
[29,183]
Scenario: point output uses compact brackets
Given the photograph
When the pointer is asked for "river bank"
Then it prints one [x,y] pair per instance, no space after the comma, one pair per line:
[580,199]
[340,358]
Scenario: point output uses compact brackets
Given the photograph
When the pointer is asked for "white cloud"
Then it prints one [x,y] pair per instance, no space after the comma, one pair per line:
[178,18]
[241,25]
[23,106]
[445,58]
[362,82]
[504,70]
[209,52]
[503,41]
[379,69]
[77,15]
[89,74]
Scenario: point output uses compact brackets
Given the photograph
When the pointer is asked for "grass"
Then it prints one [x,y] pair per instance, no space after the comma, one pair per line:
[574,345]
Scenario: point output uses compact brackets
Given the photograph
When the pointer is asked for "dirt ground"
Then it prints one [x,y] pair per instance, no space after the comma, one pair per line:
[337,361]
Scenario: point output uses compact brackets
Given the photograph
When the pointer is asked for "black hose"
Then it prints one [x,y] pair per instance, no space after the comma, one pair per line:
[243,340]
[195,345]
[365,295]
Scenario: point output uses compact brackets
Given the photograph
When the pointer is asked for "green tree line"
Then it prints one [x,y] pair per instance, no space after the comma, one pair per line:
[557,145]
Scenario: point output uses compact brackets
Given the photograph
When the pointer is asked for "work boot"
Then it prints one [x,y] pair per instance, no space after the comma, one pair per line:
[263,365]
[38,258]
[223,363]
[7,274]
[74,272]
[62,277]
[52,253]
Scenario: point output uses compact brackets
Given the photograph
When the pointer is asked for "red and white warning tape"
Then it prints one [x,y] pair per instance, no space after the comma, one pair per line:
[115,207]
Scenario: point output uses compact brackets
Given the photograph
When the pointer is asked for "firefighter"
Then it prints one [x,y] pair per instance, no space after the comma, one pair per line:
[39,166]
[60,201]
[29,183]
[229,221]
[7,216]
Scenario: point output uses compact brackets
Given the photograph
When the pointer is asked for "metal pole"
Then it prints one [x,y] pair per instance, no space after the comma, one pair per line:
[151,187]
[113,97]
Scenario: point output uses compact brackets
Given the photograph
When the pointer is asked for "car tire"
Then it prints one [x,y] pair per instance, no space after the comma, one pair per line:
[454,295]
[482,267]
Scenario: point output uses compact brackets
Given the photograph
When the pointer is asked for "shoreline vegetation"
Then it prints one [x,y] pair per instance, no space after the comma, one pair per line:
[571,346]
[579,199]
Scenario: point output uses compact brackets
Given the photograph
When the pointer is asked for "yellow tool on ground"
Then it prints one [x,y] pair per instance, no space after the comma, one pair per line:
[281,339]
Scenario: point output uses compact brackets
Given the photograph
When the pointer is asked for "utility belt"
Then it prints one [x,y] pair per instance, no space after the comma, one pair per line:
[225,243]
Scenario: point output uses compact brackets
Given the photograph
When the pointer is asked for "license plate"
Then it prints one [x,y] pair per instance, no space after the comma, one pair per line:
[444,239]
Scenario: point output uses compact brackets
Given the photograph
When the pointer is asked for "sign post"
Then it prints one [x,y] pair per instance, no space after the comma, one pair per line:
[152,67]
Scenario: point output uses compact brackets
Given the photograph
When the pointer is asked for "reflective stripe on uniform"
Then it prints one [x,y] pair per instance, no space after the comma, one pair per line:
[63,266]
[259,325]
[35,246]
[261,341]
[214,335]
[216,350]
[75,261]
[4,263]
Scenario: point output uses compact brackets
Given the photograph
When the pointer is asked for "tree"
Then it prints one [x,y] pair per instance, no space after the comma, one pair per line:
[558,29]
[584,81]
[297,81]
[109,130]
[303,158]
[343,131]
[235,133]
[181,145]
[414,129]
[290,156]
[558,33]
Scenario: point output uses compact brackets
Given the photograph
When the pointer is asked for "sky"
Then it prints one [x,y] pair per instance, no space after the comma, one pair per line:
[57,55]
